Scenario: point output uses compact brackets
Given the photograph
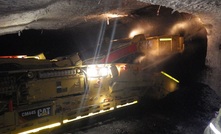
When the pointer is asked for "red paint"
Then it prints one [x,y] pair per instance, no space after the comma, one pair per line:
[14,56]
[117,54]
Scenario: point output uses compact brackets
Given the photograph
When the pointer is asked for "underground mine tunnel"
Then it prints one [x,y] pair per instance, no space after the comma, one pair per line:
[108,66]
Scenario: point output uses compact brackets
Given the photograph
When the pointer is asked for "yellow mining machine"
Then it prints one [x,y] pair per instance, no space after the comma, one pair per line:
[38,94]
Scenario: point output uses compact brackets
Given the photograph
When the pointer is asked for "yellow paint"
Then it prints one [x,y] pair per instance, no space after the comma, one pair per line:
[170,76]
[77,118]
[165,39]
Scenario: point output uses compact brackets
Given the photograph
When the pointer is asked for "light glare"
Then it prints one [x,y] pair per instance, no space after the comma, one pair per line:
[92,72]
[97,71]
[127,104]
[136,32]
[103,71]
[89,115]
[41,128]
[214,129]
[110,15]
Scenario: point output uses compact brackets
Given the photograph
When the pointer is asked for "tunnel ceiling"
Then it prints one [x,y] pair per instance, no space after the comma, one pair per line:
[55,14]
[16,16]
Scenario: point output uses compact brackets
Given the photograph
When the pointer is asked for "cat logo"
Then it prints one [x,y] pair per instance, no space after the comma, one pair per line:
[36,113]
[44,111]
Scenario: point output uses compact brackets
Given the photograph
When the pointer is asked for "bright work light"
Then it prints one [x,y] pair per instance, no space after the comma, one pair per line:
[97,71]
